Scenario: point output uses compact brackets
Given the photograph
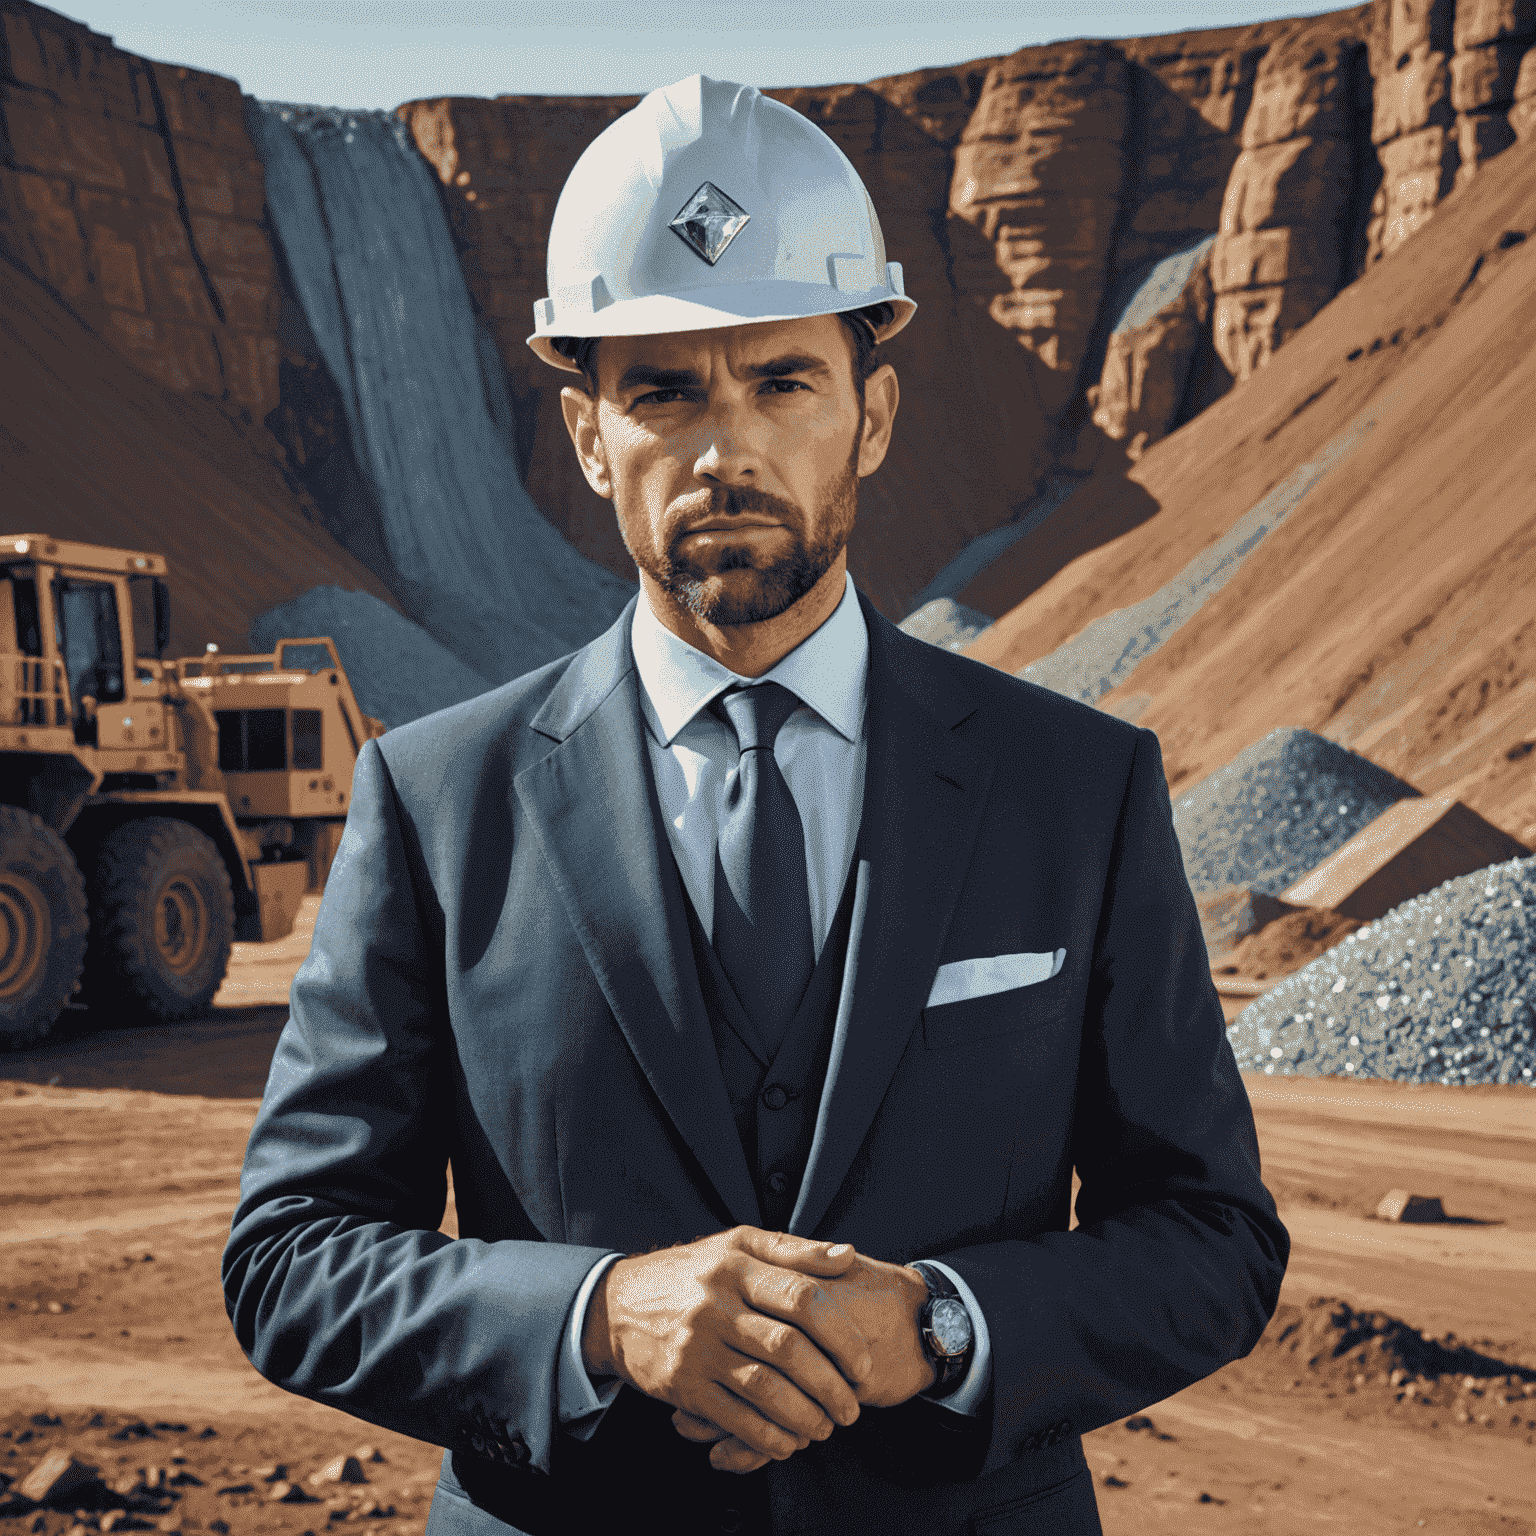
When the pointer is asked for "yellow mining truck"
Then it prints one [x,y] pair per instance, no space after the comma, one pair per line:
[152,811]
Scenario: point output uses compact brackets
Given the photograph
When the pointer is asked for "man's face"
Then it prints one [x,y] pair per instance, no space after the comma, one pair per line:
[732,458]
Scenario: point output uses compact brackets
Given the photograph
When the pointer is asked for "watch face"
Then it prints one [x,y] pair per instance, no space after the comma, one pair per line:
[951,1325]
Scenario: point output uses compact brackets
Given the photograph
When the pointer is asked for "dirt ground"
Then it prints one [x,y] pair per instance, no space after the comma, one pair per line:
[121,1150]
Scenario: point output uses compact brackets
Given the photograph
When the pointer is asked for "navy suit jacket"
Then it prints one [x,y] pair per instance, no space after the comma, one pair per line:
[501,980]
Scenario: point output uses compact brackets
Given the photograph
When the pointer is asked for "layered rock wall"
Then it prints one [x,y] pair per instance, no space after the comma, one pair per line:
[1145,382]
[1031,200]
[1040,174]
[1286,218]
[1447,79]
[133,191]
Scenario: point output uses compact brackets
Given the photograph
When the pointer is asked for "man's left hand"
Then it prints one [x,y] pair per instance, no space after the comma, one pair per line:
[884,1302]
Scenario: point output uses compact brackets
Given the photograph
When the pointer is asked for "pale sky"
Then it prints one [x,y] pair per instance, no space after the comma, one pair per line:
[378,53]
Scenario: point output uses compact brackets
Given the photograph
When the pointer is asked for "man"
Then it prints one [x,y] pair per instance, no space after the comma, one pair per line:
[762,972]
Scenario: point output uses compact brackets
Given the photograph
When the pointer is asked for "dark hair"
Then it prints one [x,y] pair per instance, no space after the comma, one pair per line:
[862,326]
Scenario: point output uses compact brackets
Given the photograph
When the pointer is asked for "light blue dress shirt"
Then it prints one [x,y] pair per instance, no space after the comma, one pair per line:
[821,752]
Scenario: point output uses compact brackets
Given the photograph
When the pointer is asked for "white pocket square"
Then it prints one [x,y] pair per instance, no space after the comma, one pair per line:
[962,979]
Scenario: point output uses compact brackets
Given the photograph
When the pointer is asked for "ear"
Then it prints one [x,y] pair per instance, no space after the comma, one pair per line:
[882,395]
[580,412]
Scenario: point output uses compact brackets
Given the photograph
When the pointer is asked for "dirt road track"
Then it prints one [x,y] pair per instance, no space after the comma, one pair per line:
[124,1143]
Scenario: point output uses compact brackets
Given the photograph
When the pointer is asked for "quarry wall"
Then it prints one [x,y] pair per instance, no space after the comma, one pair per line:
[1038,202]
[133,190]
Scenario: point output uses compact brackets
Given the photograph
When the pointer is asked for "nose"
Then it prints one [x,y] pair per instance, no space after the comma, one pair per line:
[727,455]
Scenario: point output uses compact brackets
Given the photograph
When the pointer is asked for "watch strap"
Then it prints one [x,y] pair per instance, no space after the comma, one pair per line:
[951,1368]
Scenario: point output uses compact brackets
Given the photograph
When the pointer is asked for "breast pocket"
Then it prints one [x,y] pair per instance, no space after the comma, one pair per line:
[1018,1010]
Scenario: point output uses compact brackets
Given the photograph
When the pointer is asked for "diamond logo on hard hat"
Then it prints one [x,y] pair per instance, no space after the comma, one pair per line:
[709,221]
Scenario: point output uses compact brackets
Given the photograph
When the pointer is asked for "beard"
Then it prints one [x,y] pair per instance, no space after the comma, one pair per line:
[777,582]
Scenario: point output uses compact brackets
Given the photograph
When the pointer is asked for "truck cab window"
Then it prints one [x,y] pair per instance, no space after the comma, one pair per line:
[22,633]
[252,740]
[90,638]
[307,734]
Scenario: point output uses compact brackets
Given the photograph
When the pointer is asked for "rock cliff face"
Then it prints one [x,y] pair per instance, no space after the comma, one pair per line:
[1289,217]
[133,191]
[1447,76]
[1029,199]
[1039,203]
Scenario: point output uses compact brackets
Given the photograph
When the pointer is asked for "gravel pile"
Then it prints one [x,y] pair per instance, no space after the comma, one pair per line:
[1277,810]
[945,623]
[1439,990]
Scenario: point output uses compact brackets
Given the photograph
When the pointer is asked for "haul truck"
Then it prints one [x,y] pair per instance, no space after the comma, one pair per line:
[152,811]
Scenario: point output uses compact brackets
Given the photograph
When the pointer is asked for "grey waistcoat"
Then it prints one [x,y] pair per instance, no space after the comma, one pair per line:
[774,1101]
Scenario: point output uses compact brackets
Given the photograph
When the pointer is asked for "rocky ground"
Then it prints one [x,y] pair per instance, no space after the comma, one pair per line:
[1394,1386]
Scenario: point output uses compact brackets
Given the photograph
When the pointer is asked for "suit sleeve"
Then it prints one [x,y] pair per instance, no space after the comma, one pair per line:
[1175,1266]
[338,1282]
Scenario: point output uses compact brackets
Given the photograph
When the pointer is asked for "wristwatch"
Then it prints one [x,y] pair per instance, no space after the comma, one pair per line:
[945,1327]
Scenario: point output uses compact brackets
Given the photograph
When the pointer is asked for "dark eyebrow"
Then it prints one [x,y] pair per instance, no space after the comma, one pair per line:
[782,367]
[638,374]
[648,376]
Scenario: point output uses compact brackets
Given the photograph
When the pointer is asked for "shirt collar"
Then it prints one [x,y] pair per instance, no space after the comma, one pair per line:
[827,670]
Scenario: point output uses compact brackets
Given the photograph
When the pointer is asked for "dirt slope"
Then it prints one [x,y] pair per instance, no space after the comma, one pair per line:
[1393,610]
[89,449]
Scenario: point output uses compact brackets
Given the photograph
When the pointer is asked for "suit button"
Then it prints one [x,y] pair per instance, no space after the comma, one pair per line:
[778,1183]
[775,1097]
[730,1520]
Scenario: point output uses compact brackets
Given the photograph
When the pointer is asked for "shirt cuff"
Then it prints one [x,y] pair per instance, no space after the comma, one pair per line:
[966,1398]
[578,1402]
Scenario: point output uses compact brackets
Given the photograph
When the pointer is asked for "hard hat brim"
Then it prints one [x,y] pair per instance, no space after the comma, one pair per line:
[716,308]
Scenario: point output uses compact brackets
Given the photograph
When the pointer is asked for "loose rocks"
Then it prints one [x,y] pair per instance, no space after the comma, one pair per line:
[1278,809]
[945,623]
[1399,1205]
[57,1474]
[343,1469]
[1348,1350]
[1439,990]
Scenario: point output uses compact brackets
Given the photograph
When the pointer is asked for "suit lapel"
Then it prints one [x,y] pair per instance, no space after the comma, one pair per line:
[923,797]
[592,804]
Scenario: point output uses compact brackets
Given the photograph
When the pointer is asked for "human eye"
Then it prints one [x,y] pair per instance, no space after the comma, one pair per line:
[784,386]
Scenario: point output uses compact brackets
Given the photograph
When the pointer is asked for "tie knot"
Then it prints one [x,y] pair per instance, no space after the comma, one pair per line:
[757,713]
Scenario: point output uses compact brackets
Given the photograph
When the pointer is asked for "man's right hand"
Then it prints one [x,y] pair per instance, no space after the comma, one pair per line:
[703,1326]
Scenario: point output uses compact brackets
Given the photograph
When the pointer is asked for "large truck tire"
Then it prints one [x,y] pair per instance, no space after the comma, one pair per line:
[162,922]
[43,921]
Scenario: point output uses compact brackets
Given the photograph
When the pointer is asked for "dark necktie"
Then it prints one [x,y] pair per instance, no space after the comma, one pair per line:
[762,917]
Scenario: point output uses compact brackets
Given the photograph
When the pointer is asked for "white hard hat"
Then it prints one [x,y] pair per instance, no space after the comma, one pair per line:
[710,204]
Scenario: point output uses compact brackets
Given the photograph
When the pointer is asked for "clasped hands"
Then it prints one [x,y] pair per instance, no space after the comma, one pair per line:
[761,1341]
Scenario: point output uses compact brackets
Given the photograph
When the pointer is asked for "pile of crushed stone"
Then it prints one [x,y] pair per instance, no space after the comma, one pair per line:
[1342,1348]
[946,623]
[1277,810]
[1440,990]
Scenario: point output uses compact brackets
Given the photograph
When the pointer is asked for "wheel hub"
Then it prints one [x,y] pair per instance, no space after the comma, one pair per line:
[181,926]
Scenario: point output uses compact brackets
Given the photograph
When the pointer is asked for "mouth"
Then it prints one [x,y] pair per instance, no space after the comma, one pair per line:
[736,525]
